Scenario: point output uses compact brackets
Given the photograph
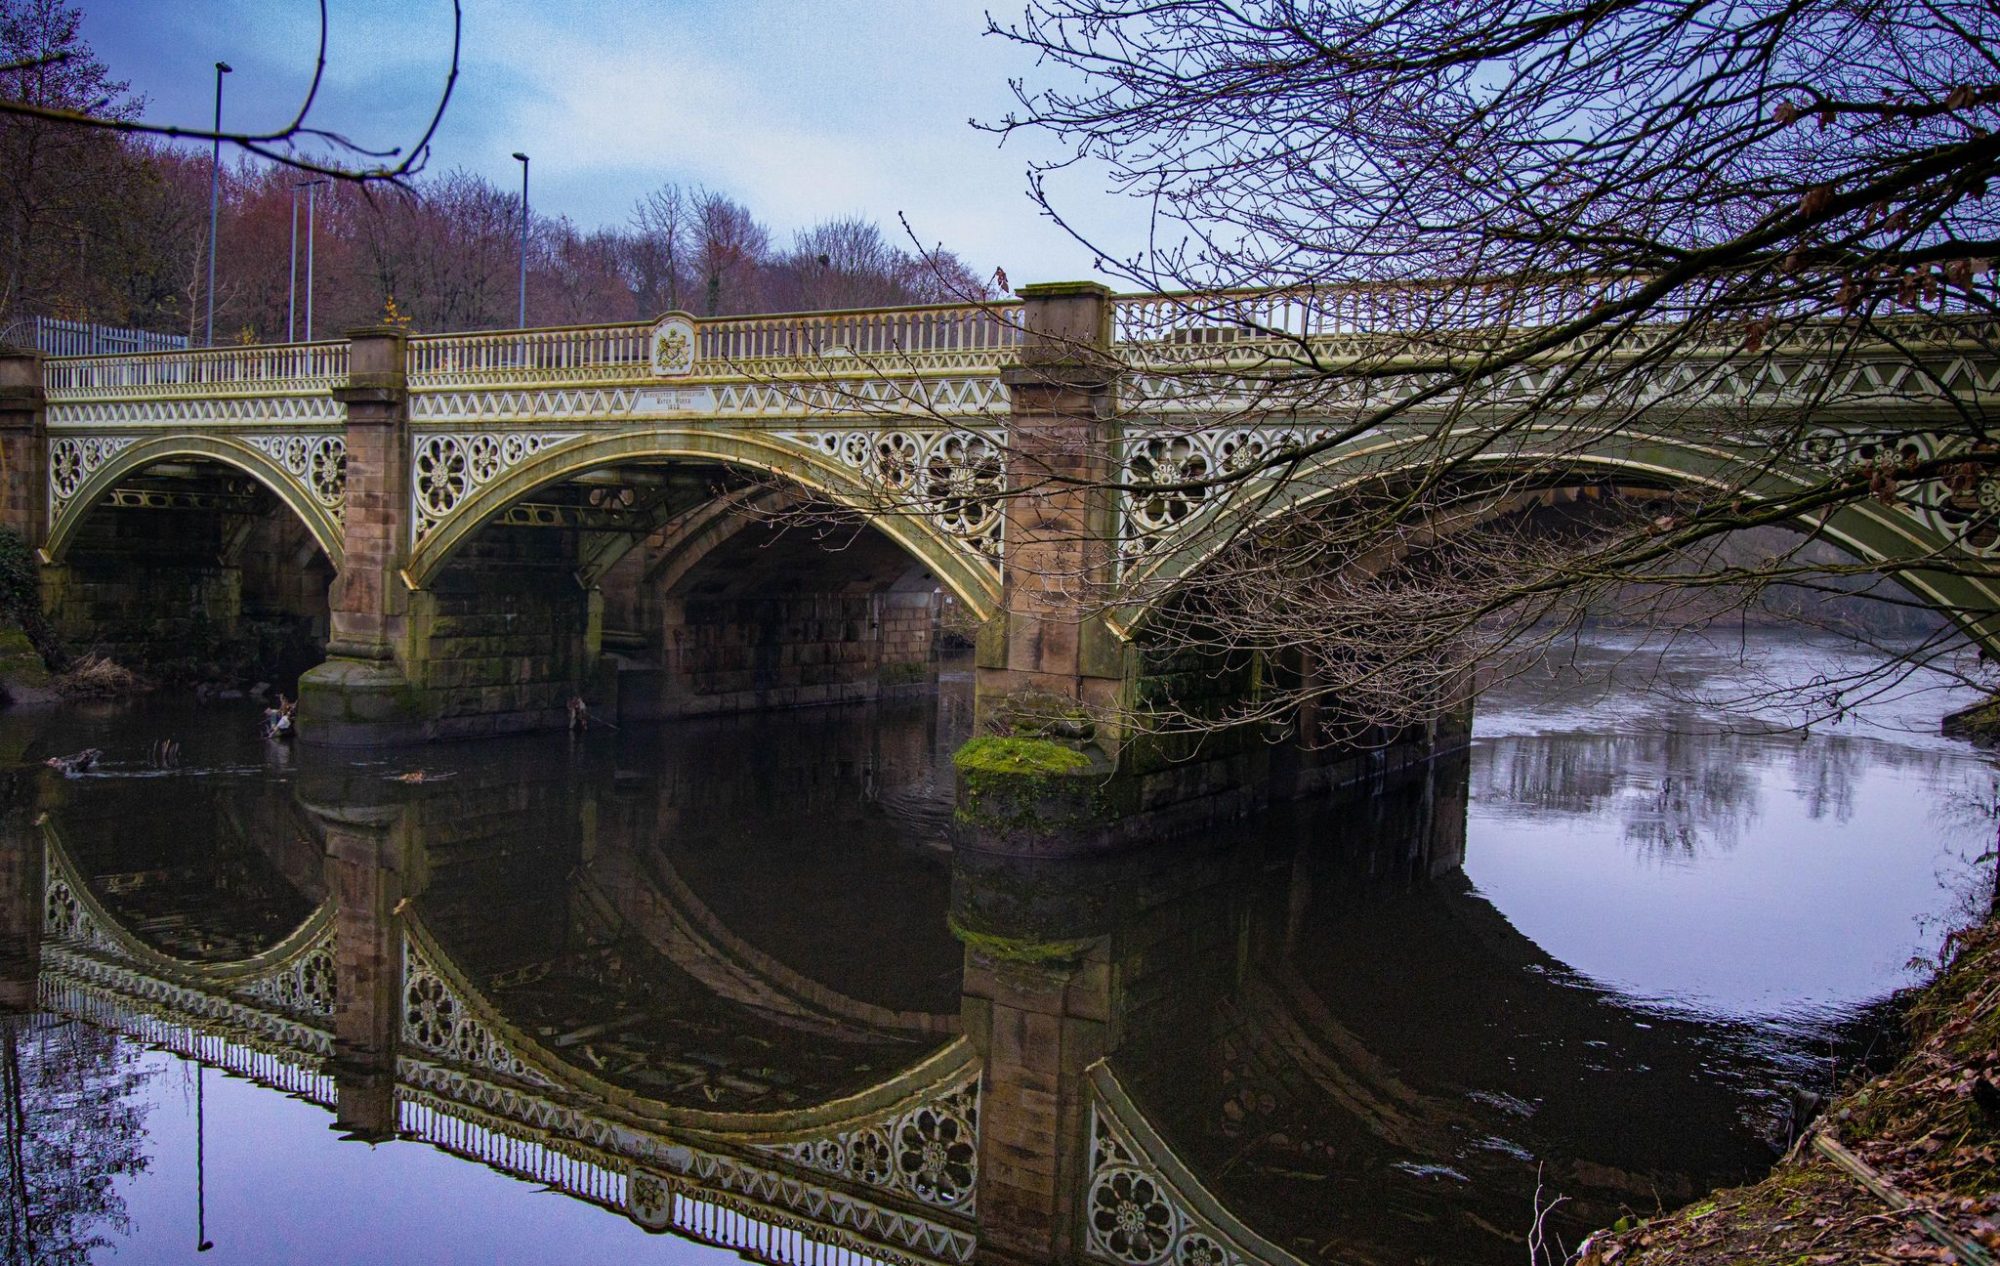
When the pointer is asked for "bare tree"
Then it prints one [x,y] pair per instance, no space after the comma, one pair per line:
[298,143]
[656,252]
[51,174]
[1491,230]
[729,247]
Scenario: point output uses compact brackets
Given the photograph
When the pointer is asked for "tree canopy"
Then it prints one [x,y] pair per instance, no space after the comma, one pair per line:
[1416,207]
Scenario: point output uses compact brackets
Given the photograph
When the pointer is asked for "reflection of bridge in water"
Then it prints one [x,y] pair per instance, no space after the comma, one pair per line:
[572,978]
[591,1035]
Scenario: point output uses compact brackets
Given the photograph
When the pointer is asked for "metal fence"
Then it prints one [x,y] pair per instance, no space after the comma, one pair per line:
[53,337]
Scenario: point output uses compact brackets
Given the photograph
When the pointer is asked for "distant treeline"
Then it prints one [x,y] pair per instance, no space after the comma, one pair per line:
[114,230]
[1857,604]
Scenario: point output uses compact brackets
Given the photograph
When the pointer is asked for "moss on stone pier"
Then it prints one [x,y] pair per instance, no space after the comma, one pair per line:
[1018,949]
[1024,784]
[1015,756]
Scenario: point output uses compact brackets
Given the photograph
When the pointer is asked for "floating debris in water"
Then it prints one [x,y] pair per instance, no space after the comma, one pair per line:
[76,763]
[422,776]
[1422,1170]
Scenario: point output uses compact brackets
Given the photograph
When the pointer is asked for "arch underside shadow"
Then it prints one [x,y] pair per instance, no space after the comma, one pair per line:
[1868,530]
[938,1067]
[972,578]
[309,935]
[321,520]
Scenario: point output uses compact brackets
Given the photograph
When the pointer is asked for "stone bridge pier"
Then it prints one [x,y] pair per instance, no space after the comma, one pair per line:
[1063,665]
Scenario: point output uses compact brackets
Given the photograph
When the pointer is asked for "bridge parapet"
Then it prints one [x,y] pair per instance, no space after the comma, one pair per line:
[262,370]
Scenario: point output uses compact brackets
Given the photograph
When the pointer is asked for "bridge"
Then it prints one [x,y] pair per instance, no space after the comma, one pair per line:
[700,515]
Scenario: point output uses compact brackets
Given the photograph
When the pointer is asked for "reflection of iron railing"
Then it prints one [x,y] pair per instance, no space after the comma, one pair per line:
[52,336]
[545,1161]
[299,1073]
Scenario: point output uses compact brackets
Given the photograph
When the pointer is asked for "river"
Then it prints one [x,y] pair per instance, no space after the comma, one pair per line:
[1594,959]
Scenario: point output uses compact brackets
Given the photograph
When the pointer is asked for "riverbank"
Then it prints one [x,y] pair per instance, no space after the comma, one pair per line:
[1928,1131]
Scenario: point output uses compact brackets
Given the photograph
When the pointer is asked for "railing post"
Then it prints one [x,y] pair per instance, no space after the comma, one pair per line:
[360,694]
[24,445]
[1059,531]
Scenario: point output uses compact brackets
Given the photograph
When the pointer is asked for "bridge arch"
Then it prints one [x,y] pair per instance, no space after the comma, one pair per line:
[73,907]
[321,515]
[1870,531]
[971,579]
[496,1042]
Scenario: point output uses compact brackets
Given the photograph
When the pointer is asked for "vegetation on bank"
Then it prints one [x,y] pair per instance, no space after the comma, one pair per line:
[1928,1130]
[21,601]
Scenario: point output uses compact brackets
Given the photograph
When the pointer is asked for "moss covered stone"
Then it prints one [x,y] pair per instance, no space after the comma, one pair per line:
[1030,785]
[1017,949]
[1017,756]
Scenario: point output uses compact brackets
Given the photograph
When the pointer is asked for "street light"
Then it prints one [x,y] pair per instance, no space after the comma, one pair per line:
[292,302]
[214,195]
[523,160]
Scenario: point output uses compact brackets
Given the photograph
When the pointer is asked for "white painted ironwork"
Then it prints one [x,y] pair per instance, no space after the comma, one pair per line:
[317,462]
[166,413]
[690,1183]
[1143,1208]
[303,985]
[940,337]
[447,468]
[262,370]
[439,1021]
[952,478]
[588,353]
[237,1041]
[1168,458]
[929,1150]
[73,459]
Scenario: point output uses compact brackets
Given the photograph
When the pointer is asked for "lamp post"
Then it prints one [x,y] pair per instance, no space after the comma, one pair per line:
[292,276]
[523,317]
[292,302]
[214,196]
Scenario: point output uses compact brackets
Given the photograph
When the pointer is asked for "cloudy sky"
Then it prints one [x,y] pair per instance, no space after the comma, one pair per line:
[800,110]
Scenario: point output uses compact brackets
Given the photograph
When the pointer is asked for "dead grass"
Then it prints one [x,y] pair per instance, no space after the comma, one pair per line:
[94,676]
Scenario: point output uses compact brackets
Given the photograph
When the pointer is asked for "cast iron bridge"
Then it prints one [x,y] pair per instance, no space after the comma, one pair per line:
[395,449]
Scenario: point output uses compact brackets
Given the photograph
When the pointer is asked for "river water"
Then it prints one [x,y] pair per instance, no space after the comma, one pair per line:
[1596,957]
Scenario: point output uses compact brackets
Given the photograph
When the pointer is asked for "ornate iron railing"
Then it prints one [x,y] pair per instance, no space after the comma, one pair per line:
[573,354]
[264,370]
[956,332]
[1427,308]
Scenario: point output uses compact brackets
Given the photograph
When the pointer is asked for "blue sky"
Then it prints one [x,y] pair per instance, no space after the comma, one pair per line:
[800,110]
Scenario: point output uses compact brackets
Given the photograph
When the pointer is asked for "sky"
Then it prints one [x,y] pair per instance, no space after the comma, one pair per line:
[802,111]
